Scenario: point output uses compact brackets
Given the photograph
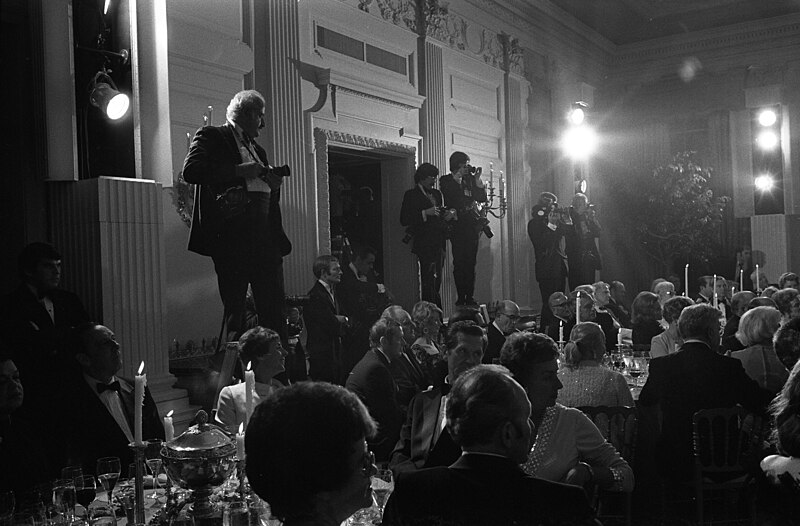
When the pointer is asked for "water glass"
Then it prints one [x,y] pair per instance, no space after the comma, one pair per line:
[64,497]
[236,514]
[382,487]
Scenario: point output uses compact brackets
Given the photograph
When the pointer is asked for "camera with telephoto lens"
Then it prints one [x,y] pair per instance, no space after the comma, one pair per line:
[474,170]
[485,228]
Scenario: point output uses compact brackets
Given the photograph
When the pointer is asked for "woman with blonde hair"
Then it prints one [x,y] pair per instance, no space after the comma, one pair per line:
[586,382]
[761,363]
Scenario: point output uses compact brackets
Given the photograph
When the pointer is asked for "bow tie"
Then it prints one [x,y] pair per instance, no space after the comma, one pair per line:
[113,386]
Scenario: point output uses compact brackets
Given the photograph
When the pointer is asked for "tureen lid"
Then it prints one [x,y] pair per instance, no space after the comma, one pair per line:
[201,440]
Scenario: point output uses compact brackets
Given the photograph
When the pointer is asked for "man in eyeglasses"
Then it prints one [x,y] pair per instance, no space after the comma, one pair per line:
[505,322]
[237,216]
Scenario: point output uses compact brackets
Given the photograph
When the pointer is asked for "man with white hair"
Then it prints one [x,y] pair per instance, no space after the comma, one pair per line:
[237,215]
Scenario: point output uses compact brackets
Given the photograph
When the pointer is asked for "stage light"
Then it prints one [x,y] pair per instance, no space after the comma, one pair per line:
[577,114]
[767,140]
[764,183]
[104,95]
[767,118]
[579,142]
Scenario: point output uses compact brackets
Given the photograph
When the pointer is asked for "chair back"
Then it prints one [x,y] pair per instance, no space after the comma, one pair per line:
[226,371]
[617,425]
[724,438]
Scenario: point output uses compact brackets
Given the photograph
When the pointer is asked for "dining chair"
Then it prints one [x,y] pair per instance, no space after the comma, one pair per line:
[226,371]
[618,425]
[724,440]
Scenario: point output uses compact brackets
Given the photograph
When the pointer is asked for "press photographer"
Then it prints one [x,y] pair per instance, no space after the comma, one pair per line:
[237,216]
[582,252]
[463,189]
[548,227]
[428,225]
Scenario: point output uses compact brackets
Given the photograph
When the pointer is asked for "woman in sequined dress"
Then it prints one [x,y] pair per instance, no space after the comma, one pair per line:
[568,447]
[586,382]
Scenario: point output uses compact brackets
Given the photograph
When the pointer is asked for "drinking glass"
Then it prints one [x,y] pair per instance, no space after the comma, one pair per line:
[382,487]
[64,498]
[7,507]
[236,514]
[152,454]
[108,471]
[85,491]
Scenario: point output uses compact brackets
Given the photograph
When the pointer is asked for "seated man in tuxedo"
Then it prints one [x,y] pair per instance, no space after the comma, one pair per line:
[424,440]
[406,371]
[22,456]
[371,380]
[488,415]
[98,409]
[505,322]
[37,318]
[696,377]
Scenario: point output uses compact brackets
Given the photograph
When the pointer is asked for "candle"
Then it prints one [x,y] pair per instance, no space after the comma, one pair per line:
[188,140]
[211,115]
[578,308]
[741,279]
[491,177]
[503,188]
[138,402]
[733,290]
[240,442]
[619,338]
[169,429]
[250,385]
[714,284]
[686,281]
[560,331]
[758,279]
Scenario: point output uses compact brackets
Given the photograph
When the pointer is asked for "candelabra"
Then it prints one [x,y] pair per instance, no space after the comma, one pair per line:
[497,210]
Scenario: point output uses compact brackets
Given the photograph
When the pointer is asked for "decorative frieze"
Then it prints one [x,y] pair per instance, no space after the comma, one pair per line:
[370,96]
[399,12]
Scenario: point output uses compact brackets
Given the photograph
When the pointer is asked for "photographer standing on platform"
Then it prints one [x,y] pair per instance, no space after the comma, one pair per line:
[547,229]
[427,225]
[237,215]
[463,189]
[584,258]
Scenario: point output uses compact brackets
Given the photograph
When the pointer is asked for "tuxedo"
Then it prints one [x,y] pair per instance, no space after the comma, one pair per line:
[428,240]
[691,379]
[324,344]
[39,341]
[248,248]
[551,261]
[409,377]
[371,380]
[496,341]
[480,489]
[89,430]
[414,449]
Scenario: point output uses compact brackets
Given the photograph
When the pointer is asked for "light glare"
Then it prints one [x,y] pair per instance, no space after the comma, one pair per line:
[767,140]
[767,118]
[576,116]
[579,142]
[118,106]
[764,183]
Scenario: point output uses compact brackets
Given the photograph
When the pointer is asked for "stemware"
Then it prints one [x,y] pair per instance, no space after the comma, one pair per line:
[236,514]
[382,487]
[85,491]
[64,497]
[108,471]
[153,460]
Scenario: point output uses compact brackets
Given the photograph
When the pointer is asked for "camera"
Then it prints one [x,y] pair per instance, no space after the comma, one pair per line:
[408,237]
[485,228]
[474,170]
[280,171]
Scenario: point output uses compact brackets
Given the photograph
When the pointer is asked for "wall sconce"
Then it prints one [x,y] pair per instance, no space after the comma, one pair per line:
[103,94]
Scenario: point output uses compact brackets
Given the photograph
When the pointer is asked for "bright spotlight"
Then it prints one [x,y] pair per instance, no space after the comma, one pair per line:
[764,183]
[767,118]
[576,116]
[767,140]
[579,142]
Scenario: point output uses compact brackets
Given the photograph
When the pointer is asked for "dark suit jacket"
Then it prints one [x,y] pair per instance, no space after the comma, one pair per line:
[324,344]
[551,261]
[409,377]
[483,490]
[211,166]
[416,435]
[371,380]
[38,342]
[496,341]
[461,197]
[430,233]
[88,431]
[691,379]
[363,305]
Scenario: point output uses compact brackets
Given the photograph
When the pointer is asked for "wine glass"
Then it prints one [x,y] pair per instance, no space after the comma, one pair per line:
[64,497]
[108,471]
[382,487]
[152,455]
[85,491]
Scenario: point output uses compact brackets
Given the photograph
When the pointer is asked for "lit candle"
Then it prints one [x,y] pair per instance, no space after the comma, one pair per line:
[686,281]
[714,284]
[188,140]
[758,279]
[491,177]
[240,442]
[619,338]
[578,309]
[138,402]
[733,290]
[169,428]
[741,279]
[211,115]
[250,385]
[560,331]
[503,181]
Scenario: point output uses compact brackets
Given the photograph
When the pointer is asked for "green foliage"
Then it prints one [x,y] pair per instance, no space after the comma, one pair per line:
[678,216]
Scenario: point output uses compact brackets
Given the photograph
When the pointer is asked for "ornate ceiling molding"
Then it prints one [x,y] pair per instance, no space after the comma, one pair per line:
[360,141]
[401,13]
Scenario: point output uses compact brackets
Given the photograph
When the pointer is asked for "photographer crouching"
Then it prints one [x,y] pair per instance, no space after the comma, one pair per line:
[463,189]
[547,229]
[237,216]
[427,225]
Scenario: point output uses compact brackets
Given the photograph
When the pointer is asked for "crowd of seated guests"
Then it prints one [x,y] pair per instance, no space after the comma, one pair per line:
[669,341]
